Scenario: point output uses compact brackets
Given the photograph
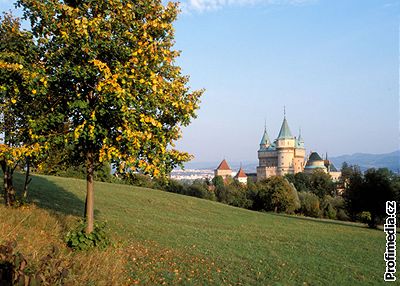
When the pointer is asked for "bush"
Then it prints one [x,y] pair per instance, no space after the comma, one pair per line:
[233,194]
[310,205]
[141,180]
[78,239]
[197,188]
[328,207]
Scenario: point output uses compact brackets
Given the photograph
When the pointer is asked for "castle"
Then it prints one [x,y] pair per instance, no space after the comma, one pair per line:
[285,155]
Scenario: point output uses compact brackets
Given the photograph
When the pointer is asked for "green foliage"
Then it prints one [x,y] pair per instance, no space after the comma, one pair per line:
[275,194]
[197,188]
[301,181]
[14,268]
[369,193]
[20,74]
[321,184]
[78,239]
[218,182]
[234,194]
[141,180]
[328,208]
[364,217]
[310,205]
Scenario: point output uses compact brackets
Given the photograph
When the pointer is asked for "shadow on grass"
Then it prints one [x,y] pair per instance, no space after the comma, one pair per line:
[325,221]
[47,195]
[50,196]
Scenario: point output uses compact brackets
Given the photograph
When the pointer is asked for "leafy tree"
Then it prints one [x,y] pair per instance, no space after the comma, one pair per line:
[310,204]
[301,181]
[114,82]
[353,193]
[234,194]
[276,194]
[218,182]
[369,193]
[21,80]
[321,184]
[376,190]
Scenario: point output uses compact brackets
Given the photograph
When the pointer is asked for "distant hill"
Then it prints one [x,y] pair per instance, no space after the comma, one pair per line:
[366,161]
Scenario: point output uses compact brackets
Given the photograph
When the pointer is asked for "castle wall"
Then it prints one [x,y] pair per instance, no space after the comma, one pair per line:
[299,161]
[223,173]
[265,172]
[335,176]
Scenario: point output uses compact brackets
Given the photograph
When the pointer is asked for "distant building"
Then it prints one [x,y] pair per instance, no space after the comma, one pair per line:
[223,170]
[241,176]
[287,155]
[315,162]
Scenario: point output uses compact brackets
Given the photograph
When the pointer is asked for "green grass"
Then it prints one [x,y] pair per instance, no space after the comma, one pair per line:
[177,239]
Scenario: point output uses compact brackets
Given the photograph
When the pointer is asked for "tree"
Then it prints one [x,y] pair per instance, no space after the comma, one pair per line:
[276,194]
[321,184]
[353,193]
[369,193]
[310,204]
[20,81]
[377,189]
[301,181]
[114,83]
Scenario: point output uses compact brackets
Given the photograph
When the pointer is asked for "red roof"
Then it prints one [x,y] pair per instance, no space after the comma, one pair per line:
[223,166]
[241,174]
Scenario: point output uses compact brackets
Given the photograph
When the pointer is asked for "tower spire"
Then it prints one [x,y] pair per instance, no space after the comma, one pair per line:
[284,111]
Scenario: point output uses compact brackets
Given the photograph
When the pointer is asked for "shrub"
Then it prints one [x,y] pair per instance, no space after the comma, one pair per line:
[141,180]
[233,194]
[78,239]
[310,205]
[328,207]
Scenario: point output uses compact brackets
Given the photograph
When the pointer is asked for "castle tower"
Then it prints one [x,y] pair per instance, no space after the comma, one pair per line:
[223,170]
[266,157]
[285,146]
[299,154]
[285,155]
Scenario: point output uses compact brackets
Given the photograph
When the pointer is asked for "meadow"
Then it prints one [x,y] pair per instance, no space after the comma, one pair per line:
[165,238]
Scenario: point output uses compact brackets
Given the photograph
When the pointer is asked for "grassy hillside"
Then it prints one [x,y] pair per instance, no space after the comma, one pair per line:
[167,238]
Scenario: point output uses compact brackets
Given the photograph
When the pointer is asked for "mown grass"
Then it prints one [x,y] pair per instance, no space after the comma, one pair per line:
[167,238]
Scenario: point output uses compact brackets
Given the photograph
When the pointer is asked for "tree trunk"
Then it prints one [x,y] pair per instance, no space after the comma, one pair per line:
[27,180]
[89,192]
[9,191]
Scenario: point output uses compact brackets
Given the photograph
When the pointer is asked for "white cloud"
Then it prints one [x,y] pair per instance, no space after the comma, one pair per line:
[212,5]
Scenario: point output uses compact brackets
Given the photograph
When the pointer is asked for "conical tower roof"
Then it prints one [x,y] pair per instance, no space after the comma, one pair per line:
[241,174]
[285,133]
[265,139]
[223,165]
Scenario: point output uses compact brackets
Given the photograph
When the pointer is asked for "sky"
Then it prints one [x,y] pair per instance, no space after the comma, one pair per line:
[333,64]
